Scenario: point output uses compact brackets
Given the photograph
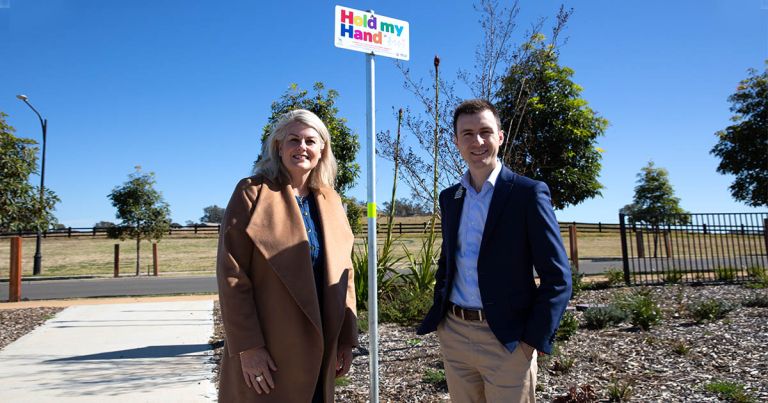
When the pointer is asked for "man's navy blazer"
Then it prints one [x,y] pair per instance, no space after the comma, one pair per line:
[521,234]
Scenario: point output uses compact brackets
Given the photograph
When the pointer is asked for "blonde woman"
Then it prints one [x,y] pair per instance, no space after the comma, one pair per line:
[285,276]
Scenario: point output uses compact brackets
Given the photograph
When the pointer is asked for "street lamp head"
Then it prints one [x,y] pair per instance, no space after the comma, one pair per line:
[22,97]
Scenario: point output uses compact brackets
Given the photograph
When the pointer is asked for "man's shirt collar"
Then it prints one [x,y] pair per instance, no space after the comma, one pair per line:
[466,181]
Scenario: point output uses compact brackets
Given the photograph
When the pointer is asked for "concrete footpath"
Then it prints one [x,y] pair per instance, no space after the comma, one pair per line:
[116,352]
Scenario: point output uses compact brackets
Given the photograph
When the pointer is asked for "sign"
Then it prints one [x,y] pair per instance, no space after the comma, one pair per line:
[366,32]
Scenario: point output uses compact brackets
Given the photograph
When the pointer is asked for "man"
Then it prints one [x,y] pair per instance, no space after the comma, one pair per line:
[498,227]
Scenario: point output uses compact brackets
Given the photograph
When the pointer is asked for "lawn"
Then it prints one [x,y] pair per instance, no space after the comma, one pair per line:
[95,256]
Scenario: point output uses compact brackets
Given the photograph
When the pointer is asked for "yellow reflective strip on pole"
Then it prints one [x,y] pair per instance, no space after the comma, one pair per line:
[371,210]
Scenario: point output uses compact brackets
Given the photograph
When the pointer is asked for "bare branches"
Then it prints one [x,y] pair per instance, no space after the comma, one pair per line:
[493,55]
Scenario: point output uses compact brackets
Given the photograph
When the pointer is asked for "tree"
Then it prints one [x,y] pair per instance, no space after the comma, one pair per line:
[344,142]
[743,146]
[20,207]
[654,202]
[213,214]
[406,208]
[142,211]
[551,133]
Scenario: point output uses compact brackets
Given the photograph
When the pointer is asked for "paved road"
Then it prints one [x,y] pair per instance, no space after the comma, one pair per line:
[112,287]
[135,286]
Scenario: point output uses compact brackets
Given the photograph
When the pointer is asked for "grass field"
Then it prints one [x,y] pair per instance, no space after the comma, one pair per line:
[95,256]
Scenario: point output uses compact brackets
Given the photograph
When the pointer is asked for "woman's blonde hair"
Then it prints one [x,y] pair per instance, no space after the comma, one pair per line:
[271,165]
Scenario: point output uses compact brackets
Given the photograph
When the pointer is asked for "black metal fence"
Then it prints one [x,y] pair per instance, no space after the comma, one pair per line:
[695,248]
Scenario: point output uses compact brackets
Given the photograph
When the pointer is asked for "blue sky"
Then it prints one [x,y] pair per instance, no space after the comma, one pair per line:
[183,88]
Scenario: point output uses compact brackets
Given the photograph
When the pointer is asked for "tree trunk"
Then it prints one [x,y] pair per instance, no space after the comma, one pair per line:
[138,255]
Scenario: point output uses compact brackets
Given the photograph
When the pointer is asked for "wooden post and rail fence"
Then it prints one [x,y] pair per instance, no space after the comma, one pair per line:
[675,243]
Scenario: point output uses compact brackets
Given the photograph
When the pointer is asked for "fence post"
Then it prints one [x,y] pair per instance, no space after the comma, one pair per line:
[195,229]
[574,246]
[640,244]
[705,228]
[400,224]
[154,257]
[117,260]
[14,280]
[69,232]
[667,244]
[599,227]
[624,251]
[765,233]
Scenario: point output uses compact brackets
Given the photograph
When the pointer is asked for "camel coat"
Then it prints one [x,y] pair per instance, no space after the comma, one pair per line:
[267,291]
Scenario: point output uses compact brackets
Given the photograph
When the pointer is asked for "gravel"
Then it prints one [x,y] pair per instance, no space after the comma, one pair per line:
[672,362]
[15,323]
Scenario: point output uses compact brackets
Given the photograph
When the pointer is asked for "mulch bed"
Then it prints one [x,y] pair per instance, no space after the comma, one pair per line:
[651,363]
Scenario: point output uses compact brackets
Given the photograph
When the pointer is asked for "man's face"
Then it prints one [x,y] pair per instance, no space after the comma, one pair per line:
[478,138]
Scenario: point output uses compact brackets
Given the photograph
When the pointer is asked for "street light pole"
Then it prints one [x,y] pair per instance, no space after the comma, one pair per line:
[37,268]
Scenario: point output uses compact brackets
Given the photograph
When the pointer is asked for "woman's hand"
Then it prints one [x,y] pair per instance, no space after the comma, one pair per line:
[257,365]
[343,360]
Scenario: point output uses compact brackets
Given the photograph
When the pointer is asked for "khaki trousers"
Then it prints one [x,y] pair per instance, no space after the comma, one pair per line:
[478,368]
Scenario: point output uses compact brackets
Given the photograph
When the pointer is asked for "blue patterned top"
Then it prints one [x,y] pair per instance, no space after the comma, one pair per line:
[308,209]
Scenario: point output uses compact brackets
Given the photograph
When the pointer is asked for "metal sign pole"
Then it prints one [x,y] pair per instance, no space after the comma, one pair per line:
[373,309]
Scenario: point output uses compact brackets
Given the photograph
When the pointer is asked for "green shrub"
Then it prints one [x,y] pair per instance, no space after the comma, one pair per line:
[342,381]
[580,394]
[708,310]
[405,306]
[354,213]
[729,391]
[596,285]
[569,324]
[422,267]
[434,376]
[562,365]
[673,276]
[756,301]
[758,277]
[601,317]
[642,309]
[577,283]
[726,274]
[362,321]
[680,347]
[619,390]
[615,276]
[386,275]
[757,273]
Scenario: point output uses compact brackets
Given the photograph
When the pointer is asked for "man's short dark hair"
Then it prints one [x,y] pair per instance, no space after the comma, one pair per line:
[472,106]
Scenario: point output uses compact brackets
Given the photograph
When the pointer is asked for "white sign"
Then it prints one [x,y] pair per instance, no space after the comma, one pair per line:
[366,32]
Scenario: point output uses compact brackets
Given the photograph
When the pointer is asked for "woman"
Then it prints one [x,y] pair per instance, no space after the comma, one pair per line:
[284,272]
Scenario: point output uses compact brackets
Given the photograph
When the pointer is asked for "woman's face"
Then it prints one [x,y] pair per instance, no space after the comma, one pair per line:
[301,149]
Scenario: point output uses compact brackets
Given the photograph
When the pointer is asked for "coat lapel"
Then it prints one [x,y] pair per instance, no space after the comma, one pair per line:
[335,242]
[456,201]
[277,230]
